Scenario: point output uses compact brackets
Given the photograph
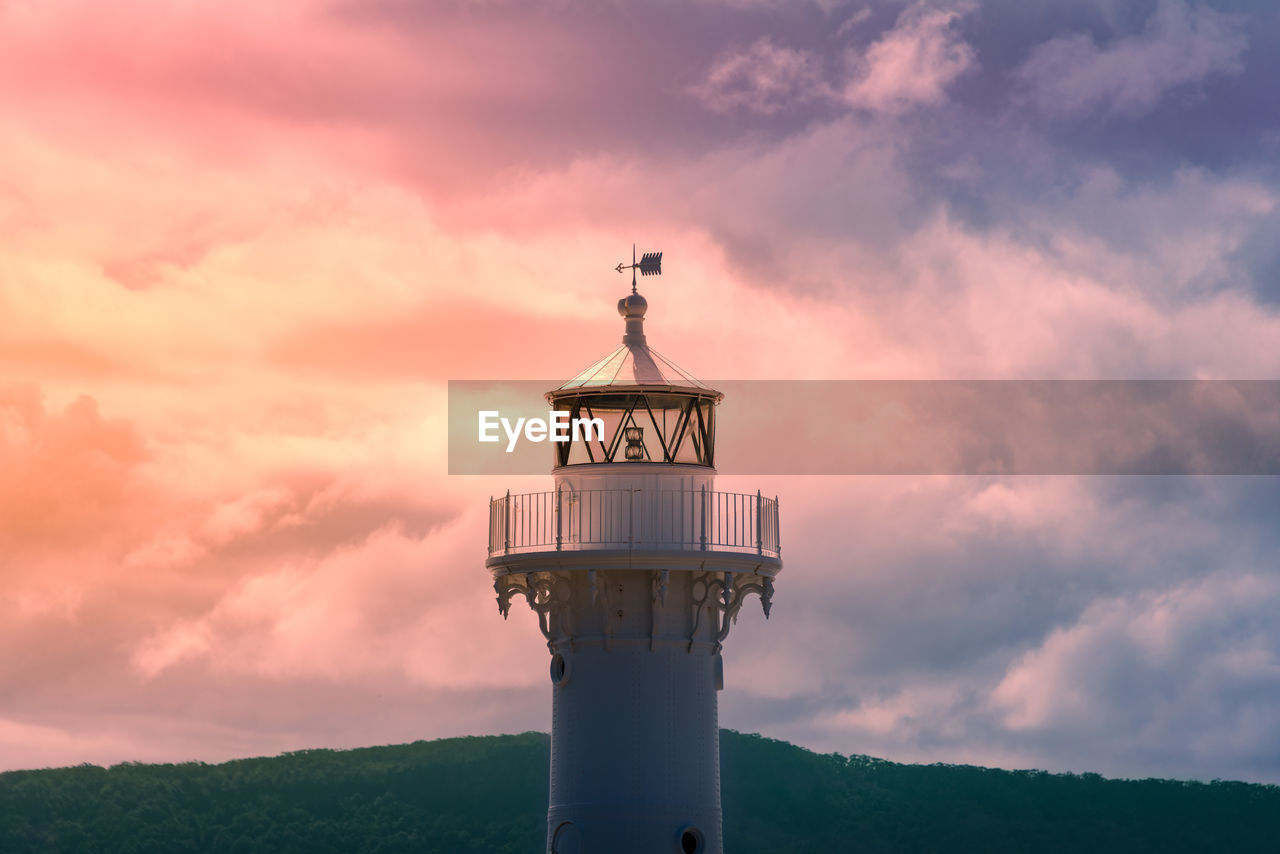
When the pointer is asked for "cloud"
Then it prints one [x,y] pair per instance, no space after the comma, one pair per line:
[70,475]
[762,78]
[393,605]
[912,64]
[1201,658]
[227,524]
[1066,623]
[908,66]
[1180,45]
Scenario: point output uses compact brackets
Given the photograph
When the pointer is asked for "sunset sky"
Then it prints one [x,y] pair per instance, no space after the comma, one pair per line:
[245,245]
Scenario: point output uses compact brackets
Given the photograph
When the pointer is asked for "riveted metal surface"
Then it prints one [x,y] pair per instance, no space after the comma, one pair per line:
[635,742]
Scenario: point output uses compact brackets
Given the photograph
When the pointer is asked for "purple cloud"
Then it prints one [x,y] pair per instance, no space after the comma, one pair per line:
[1180,46]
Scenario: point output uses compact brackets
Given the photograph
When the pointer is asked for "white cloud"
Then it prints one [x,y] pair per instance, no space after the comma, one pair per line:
[912,64]
[1179,46]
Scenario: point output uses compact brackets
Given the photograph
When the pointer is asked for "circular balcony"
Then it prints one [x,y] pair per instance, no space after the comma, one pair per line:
[605,528]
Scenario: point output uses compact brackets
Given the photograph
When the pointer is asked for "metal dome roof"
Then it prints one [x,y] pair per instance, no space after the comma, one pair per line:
[634,364]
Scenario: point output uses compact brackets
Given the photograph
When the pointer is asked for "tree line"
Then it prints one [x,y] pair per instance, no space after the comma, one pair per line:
[489,794]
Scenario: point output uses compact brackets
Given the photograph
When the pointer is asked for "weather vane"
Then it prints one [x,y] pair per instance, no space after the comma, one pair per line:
[650,265]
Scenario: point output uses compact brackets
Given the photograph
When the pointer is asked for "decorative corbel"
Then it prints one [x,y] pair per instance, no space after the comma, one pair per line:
[723,596]
[540,590]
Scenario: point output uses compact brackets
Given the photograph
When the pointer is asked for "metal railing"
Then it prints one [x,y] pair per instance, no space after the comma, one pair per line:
[651,519]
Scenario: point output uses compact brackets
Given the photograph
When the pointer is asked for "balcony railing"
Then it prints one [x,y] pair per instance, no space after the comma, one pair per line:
[634,519]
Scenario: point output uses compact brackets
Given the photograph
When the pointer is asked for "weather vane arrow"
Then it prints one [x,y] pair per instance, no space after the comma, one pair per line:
[650,264]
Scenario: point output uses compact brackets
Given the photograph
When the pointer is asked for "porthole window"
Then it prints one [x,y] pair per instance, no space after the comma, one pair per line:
[566,839]
[559,669]
[691,841]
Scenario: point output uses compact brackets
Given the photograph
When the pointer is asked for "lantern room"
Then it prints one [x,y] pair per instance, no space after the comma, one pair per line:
[645,408]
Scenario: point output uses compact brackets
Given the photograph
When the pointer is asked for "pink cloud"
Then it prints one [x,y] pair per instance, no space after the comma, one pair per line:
[763,77]
[912,64]
[909,66]
[70,475]
[390,606]
[245,245]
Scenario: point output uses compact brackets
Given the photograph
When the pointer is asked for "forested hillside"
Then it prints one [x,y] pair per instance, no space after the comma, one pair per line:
[489,795]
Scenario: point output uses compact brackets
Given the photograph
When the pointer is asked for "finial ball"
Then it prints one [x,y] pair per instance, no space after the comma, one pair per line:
[632,306]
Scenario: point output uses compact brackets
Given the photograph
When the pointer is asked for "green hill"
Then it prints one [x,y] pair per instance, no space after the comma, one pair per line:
[489,795]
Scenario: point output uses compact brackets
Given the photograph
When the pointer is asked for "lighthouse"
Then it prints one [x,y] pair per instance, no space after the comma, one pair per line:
[637,567]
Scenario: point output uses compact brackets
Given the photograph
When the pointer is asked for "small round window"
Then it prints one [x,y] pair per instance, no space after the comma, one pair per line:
[559,669]
[691,841]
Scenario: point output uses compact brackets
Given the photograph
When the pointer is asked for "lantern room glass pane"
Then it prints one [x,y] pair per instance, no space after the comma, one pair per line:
[638,427]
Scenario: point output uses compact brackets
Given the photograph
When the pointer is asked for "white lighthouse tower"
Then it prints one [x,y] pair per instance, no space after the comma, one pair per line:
[636,567]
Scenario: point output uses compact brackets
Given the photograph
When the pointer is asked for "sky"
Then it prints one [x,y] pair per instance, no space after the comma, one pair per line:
[246,246]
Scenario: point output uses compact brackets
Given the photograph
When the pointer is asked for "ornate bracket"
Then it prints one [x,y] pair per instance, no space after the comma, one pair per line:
[542,590]
[722,596]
